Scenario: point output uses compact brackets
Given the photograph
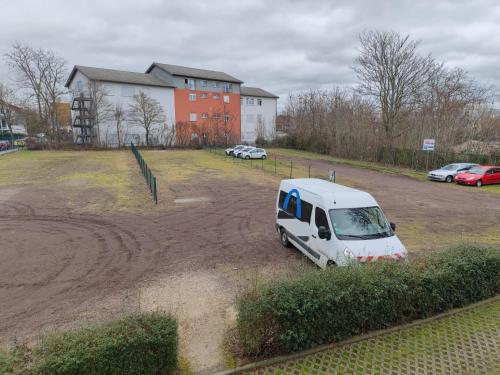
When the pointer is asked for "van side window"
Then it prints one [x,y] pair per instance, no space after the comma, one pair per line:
[306,207]
[320,218]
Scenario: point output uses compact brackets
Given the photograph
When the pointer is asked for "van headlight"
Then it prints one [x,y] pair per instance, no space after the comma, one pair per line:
[348,253]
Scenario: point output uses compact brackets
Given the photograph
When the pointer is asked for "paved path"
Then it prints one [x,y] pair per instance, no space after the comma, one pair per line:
[464,343]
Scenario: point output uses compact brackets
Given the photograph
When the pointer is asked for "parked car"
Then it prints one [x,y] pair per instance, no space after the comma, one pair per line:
[448,172]
[20,142]
[237,153]
[229,151]
[479,176]
[4,145]
[334,224]
[257,153]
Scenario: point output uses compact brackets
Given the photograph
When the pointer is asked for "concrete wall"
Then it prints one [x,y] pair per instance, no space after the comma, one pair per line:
[258,118]
[122,93]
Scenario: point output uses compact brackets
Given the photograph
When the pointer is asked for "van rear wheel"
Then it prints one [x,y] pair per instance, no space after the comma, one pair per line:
[284,238]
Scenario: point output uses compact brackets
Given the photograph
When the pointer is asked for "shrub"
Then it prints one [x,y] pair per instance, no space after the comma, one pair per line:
[139,344]
[331,305]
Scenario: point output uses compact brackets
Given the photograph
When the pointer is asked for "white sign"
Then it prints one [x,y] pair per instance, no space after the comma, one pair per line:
[429,145]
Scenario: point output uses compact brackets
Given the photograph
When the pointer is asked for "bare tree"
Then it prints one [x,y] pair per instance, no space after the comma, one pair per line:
[41,74]
[119,117]
[167,133]
[146,112]
[392,72]
[7,109]
[101,110]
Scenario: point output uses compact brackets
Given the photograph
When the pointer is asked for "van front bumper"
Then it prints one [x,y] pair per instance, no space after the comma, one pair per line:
[371,258]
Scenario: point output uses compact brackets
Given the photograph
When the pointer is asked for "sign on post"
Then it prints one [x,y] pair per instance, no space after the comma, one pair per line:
[332,175]
[429,145]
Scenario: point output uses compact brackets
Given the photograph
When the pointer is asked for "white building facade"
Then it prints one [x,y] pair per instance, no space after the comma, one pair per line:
[258,114]
[119,89]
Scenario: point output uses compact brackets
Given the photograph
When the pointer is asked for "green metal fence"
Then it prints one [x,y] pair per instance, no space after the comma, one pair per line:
[146,172]
[282,167]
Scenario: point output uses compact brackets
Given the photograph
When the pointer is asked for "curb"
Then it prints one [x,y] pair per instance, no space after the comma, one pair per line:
[284,358]
[8,151]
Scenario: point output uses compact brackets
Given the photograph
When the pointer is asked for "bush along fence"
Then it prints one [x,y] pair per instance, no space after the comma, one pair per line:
[139,344]
[415,159]
[146,172]
[322,307]
[282,167]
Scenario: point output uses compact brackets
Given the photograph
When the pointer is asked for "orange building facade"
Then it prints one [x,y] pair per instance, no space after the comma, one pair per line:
[207,104]
[209,117]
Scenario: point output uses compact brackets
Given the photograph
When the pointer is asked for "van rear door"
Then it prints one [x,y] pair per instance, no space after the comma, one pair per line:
[294,215]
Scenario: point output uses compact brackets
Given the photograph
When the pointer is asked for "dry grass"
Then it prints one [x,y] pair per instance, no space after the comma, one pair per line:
[112,175]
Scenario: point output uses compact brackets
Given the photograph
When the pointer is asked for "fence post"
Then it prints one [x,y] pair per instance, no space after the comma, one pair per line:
[291,168]
[262,163]
[309,170]
[275,165]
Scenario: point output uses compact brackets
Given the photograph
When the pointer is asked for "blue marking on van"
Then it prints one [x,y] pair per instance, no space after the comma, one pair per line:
[298,212]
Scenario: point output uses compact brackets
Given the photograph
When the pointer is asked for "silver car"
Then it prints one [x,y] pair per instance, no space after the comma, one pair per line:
[448,172]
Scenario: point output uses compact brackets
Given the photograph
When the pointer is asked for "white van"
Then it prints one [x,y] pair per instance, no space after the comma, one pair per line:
[333,224]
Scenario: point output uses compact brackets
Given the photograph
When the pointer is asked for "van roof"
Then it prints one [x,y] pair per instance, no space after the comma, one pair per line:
[335,195]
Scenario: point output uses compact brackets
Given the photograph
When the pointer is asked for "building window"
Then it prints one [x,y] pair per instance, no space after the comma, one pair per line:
[192,117]
[259,101]
[226,98]
[190,83]
[192,97]
[215,97]
[228,87]
[204,115]
[128,91]
[250,101]
[203,96]
[216,84]
[227,118]
[241,101]
[108,90]
[79,86]
[203,83]
[216,116]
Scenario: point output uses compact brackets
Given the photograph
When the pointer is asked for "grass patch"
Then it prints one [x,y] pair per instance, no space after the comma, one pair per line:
[282,152]
[112,175]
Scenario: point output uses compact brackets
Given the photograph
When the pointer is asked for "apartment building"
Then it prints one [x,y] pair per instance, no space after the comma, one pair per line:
[203,106]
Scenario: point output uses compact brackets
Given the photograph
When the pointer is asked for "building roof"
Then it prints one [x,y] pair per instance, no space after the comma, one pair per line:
[120,76]
[255,91]
[177,70]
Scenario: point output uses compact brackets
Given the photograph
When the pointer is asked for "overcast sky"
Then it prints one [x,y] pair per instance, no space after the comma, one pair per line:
[281,46]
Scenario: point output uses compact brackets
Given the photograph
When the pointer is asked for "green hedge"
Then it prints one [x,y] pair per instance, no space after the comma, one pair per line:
[135,345]
[332,305]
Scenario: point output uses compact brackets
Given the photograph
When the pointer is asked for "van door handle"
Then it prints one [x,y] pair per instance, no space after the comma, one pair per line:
[313,236]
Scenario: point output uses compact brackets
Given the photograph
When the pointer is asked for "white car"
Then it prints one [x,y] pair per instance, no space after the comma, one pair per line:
[334,224]
[448,172]
[257,153]
[237,153]
[229,151]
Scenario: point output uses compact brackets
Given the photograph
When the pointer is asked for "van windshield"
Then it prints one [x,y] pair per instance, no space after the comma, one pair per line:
[364,223]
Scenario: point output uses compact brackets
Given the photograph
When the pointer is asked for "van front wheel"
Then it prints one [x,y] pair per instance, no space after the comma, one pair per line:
[284,238]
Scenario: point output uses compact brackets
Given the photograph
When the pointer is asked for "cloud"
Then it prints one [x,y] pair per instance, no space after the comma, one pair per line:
[283,46]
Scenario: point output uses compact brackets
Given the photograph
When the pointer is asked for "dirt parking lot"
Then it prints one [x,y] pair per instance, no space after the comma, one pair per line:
[82,242]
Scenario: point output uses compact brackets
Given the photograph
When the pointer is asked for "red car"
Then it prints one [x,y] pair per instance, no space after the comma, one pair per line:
[479,176]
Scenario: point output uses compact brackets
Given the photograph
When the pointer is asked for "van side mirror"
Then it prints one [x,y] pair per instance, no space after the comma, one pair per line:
[324,233]
[393,227]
